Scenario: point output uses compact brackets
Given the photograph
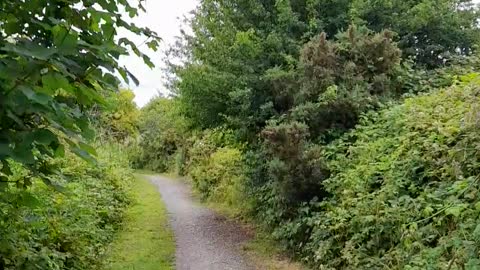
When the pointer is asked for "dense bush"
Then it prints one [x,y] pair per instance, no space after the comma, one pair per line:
[339,79]
[404,194]
[295,166]
[215,163]
[120,118]
[163,133]
[429,31]
[67,228]
[220,176]
[358,58]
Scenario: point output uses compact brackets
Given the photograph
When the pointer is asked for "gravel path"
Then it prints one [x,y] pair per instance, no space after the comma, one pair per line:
[205,240]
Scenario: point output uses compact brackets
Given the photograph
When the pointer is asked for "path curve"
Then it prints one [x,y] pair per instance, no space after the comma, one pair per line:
[205,240]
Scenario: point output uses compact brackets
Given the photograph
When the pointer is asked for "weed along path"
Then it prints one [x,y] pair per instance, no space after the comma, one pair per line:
[205,240]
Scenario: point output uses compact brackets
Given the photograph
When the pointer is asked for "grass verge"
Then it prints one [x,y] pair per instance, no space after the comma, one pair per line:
[267,255]
[146,241]
[262,250]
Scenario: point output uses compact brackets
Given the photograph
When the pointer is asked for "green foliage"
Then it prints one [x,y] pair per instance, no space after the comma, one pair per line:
[212,158]
[71,229]
[343,78]
[430,31]
[58,66]
[163,134]
[204,99]
[57,59]
[247,69]
[327,129]
[224,79]
[403,190]
[219,176]
[120,118]
[201,145]
[357,59]
[295,167]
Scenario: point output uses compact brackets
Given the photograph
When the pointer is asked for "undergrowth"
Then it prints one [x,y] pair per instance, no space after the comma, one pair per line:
[66,228]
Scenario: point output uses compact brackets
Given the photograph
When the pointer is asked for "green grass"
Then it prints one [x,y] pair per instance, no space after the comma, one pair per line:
[146,242]
[268,255]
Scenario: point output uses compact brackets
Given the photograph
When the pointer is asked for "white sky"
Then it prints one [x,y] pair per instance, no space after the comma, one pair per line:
[164,17]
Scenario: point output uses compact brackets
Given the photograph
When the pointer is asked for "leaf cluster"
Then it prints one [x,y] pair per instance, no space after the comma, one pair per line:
[57,60]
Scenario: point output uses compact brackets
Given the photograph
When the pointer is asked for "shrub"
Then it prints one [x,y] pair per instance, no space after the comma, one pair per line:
[163,133]
[45,229]
[294,164]
[220,176]
[345,77]
[203,144]
[215,163]
[404,194]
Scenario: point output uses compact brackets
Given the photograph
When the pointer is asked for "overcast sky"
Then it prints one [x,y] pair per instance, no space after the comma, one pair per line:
[164,17]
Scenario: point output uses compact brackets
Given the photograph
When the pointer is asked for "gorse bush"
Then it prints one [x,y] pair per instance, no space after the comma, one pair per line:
[358,58]
[295,166]
[343,78]
[69,228]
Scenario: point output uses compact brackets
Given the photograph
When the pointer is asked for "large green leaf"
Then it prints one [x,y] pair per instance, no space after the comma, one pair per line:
[39,98]
[83,154]
[30,50]
[44,136]
[54,81]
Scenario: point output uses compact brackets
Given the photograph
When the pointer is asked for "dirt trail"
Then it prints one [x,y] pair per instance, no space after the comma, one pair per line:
[205,240]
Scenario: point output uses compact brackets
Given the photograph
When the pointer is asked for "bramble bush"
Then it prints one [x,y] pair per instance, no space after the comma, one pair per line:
[215,163]
[220,176]
[66,228]
[403,190]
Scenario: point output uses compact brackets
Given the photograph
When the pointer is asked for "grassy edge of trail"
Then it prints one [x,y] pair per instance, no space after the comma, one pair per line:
[261,249]
[146,240]
[267,254]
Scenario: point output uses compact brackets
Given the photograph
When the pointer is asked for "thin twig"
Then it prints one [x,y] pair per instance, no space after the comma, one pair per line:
[450,264]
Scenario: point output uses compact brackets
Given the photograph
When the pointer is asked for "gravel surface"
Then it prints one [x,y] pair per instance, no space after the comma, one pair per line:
[205,240]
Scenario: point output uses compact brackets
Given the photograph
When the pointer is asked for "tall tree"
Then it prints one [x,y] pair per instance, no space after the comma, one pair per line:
[242,57]
[233,46]
[430,31]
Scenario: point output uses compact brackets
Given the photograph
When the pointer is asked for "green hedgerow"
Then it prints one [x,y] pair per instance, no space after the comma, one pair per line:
[405,194]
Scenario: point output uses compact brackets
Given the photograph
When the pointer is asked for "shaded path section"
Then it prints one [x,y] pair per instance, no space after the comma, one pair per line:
[205,241]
